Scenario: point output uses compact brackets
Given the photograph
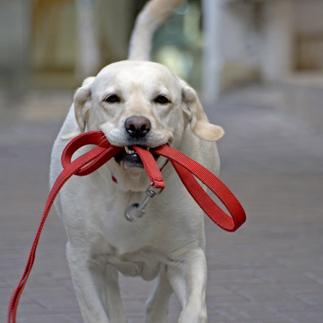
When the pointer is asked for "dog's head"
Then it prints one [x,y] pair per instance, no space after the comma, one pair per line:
[140,103]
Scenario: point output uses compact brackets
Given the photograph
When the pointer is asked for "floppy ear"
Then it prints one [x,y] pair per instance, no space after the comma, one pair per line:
[198,119]
[82,102]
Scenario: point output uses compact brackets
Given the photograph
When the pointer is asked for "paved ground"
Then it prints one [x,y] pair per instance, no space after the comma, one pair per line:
[271,271]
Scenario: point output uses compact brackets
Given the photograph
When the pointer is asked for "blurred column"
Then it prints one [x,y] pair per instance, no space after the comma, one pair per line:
[88,53]
[15,22]
[278,40]
[212,55]
[116,23]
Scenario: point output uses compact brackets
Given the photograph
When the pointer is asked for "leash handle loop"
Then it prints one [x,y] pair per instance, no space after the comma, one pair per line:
[186,169]
[102,151]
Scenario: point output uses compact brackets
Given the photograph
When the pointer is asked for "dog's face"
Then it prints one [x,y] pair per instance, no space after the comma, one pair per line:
[140,103]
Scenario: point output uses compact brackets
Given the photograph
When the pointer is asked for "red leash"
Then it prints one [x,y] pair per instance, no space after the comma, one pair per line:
[90,161]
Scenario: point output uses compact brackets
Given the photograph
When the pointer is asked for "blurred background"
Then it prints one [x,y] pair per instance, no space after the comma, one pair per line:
[258,66]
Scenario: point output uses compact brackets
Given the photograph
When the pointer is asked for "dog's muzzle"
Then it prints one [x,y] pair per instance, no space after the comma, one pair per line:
[137,128]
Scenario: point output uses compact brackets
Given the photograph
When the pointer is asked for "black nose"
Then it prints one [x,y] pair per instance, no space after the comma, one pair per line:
[137,126]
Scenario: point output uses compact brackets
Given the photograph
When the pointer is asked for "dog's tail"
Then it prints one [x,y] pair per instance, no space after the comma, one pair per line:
[149,19]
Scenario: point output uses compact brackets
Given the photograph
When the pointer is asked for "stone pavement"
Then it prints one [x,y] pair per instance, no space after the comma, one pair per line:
[271,271]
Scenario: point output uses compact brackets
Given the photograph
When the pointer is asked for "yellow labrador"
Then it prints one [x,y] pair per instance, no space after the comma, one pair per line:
[143,103]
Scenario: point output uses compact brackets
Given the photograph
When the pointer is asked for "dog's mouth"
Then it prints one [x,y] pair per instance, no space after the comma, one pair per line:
[128,158]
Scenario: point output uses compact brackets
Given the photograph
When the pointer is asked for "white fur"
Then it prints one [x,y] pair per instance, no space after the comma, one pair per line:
[168,242]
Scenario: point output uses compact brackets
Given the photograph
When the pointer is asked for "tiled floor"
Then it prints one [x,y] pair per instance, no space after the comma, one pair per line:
[271,271]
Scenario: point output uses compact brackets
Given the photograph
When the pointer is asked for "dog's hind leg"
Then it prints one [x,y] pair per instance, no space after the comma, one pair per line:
[91,291]
[157,304]
[188,276]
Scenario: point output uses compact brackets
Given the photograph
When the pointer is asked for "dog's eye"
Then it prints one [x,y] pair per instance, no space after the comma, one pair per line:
[113,98]
[161,99]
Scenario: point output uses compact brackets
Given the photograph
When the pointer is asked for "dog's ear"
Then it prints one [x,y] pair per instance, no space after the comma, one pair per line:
[198,120]
[82,102]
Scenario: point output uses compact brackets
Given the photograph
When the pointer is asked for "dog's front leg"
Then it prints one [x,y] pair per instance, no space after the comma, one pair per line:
[96,288]
[157,305]
[187,276]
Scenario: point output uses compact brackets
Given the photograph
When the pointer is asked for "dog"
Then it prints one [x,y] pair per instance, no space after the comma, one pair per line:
[136,102]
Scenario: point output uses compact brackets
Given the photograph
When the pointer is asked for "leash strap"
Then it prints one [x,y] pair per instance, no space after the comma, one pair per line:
[81,166]
[101,153]
[186,169]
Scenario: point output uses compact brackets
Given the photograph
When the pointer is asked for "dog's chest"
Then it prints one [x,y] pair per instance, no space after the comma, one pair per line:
[151,229]
[126,235]
[167,224]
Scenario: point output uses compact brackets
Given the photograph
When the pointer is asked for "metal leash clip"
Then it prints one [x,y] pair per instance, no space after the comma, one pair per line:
[137,210]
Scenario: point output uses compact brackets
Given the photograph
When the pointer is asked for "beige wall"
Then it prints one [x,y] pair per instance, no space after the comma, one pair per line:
[309,35]
[56,41]
[42,36]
